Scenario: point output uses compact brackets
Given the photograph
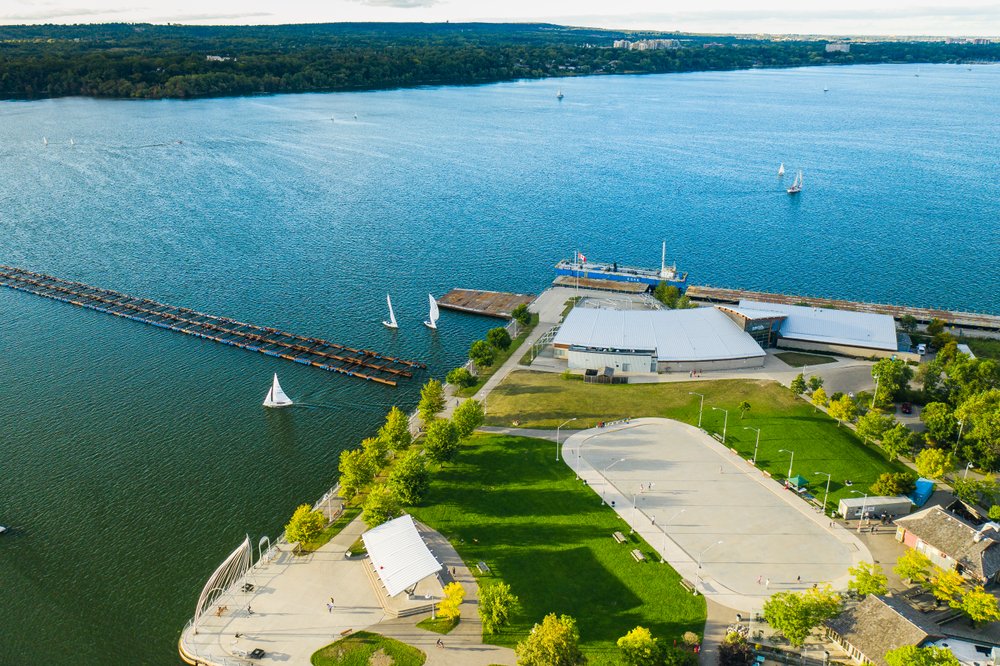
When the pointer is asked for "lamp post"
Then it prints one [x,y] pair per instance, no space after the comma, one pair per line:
[875,393]
[827,493]
[701,406]
[604,485]
[557,435]
[631,527]
[792,460]
[864,503]
[725,422]
[967,468]
[701,555]
[755,445]
[663,550]
[958,440]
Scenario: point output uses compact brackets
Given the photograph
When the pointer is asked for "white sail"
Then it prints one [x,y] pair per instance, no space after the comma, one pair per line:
[434,314]
[781,169]
[276,397]
[392,315]
[45,141]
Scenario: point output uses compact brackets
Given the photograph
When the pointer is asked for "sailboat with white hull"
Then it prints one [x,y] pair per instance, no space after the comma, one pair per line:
[797,185]
[276,397]
[392,315]
[781,170]
[432,319]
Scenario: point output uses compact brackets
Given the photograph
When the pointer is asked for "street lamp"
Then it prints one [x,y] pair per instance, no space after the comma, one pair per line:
[827,493]
[864,502]
[663,550]
[792,460]
[876,391]
[557,435]
[725,422]
[701,555]
[755,445]
[701,406]
[967,468]
[604,485]
[958,440]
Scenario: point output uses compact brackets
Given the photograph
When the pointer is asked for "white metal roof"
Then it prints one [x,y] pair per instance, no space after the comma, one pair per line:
[838,327]
[753,313]
[399,555]
[698,334]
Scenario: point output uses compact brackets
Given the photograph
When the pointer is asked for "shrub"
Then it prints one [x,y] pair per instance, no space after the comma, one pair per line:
[460,377]
[894,483]
[304,524]
[499,338]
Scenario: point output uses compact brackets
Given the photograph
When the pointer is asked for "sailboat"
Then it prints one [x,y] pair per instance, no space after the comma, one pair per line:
[72,142]
[797,185]
[434,314]
[918,72]
[45,141]
[826,89]
[392,315]
[276,397]
[559,94]
[781,170]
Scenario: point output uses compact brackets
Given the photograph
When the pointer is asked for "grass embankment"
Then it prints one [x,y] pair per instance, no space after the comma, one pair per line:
[799,359]
[984,347]
[544,400]
[360,648]
[501,357]
[507,502]
[439,625]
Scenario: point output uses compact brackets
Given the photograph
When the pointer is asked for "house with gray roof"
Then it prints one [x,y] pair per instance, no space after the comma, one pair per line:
[878,624]
[952,543]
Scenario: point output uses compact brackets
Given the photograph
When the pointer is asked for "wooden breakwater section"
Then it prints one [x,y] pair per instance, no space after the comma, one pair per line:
[315,352]
[977,320]
[488,303]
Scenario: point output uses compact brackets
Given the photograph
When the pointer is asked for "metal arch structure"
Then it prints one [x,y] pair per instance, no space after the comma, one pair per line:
[233,569]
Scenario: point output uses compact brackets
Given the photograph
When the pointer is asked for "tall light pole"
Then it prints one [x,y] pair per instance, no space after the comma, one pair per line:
[557,435]
[958,440]
[701,406]
[875,393]
[792,460]
[755,445]
[827,493]
[967,468]
[663,550]
[725,422]
[631,527]
[864,503]
[701,555]
[604,484]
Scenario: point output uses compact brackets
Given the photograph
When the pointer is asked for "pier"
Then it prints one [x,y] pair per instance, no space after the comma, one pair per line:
[923,315]
[497,304]
[315,352]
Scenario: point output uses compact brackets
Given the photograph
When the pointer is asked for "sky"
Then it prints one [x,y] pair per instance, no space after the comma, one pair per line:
[830,17]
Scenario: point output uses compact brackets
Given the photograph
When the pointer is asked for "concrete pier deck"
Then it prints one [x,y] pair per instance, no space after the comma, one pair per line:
[488,303]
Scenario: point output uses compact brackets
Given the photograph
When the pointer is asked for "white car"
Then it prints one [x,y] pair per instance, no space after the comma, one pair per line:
[921,349]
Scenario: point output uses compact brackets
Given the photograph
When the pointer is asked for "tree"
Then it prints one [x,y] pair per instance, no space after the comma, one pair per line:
[554,642]
[380,506]
[815,382]
[868,579]
[498,337]
[410,479]
[843,409]
[935,326]
[744,407]
[796,614]
[304,525]
[798,384]
[934,463]
[994,513]
[893,376]
[940,421]
[442,440]
[521,315]
[639,648]
[980,413]
[980,606]
[911,655]
[735,650]
[667,294]
[946,585]
[377,451]
[819,398]
[356,472]
[482,353]
[893,483]
[897,441]
[496,603]
[431,401]
[976,491]
[873,424]
[450,606]
[395,432]
[908,323]
[467,417]
[913,565]
[460,377]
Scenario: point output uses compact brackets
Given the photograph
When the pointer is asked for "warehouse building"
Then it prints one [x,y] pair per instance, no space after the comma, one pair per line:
[644,341]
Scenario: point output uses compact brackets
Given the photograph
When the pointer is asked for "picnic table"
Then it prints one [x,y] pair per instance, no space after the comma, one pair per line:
[483,567]
[638,556]
[619,537]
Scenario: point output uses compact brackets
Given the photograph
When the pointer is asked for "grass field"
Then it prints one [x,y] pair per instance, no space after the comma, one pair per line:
[357,650]
[544,400]
[984,347]
[439,625]
[507,502]
[800,359]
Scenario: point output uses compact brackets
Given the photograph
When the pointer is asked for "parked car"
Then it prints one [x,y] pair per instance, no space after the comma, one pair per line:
[906,408]
[921,349]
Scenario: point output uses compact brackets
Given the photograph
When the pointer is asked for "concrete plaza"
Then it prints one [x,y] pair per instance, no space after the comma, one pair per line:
[690,493]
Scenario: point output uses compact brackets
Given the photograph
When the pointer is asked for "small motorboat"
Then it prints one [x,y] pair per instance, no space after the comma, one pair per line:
[4,530]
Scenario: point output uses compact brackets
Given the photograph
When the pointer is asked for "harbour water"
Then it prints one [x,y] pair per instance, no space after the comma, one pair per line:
[132,460]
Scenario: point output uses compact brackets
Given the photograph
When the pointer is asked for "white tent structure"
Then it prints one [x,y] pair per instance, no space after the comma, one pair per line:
[399,555]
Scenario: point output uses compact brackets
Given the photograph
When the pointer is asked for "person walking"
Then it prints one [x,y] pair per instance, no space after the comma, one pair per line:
[767,583]
[329,608]
[760,580]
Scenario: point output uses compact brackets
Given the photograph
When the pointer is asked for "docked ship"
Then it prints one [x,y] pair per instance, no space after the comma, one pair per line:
[579,267]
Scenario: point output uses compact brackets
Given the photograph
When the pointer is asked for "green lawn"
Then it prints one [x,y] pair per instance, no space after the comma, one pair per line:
[507,502]
[544,400]
[357,650]
[984,347]
[439,625]
[501,358]
[800,359]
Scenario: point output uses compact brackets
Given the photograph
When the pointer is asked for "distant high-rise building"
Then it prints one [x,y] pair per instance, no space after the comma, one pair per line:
[839,47]
[647,44]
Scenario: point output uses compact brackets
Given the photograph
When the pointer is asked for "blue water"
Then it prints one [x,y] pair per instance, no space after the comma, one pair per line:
[134,459]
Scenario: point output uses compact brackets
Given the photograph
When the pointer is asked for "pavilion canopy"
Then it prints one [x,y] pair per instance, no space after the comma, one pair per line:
[399,555]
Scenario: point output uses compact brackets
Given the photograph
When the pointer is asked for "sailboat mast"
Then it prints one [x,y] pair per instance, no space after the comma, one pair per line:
[663,260]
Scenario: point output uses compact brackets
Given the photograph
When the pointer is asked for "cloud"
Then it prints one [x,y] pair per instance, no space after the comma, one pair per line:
[398,4]
[57,13]
[183,18]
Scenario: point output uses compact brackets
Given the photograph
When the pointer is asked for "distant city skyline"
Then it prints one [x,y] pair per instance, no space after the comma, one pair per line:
[829,17]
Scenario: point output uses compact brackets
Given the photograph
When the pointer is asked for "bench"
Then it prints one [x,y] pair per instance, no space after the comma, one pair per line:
[346,631]
[687,585]
[619,537]
[638,556]
[483,568]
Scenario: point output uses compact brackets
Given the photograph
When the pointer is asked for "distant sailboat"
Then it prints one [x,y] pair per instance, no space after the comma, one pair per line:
[797,185]
[918,72]
[276,397]
[392,315]
[434,314]
[72,142]
[781,170]
[45,141]
[559,94]
[826,89]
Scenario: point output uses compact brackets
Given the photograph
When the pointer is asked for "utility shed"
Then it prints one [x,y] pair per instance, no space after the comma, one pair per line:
[850,507]
[399,555]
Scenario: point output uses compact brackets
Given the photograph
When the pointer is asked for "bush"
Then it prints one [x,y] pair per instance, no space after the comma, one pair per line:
[482,353]
[460,377]
[304,525]
[894,483]
[735,651]
[798,384]
[499,338]
[521,315]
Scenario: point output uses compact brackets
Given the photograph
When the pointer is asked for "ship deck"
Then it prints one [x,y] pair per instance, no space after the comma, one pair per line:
[602,285]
